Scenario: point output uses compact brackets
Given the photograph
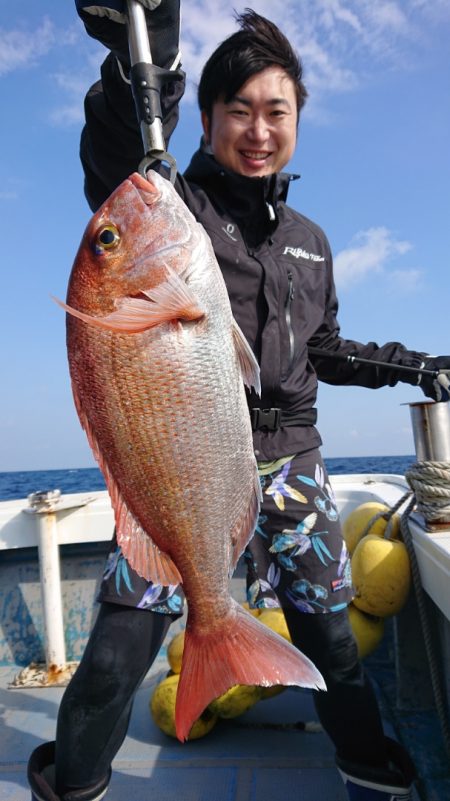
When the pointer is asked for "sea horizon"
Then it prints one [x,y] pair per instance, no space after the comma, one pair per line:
[17,484]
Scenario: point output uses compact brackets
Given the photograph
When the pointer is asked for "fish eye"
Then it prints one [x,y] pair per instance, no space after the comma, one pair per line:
[108,237]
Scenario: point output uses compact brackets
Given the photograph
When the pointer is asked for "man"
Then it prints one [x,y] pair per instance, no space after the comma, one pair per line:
[278,269]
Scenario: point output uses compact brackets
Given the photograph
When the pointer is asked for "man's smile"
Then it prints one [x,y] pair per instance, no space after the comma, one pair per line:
[255,155]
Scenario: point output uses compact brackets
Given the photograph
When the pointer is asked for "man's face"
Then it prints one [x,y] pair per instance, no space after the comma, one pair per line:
[256,132]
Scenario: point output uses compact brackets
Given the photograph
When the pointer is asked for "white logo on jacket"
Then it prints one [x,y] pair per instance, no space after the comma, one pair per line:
[303,254]
[229,230]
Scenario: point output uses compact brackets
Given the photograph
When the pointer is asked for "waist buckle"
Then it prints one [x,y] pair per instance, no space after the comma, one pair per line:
[265,418]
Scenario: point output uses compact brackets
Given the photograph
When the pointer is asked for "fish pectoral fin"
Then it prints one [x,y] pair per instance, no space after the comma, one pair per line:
[141,552]
[130,316]
[174,300]
[247,361]
[244,528]
[170,300]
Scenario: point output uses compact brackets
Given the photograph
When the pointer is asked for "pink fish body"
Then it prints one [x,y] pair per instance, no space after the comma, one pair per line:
[158,366]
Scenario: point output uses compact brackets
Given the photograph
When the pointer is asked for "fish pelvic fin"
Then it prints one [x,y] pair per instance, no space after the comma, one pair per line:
[240,650]
[243,531]
[170,300]
[247,361]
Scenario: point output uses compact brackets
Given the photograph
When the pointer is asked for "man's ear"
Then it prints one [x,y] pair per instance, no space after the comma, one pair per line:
[206,124]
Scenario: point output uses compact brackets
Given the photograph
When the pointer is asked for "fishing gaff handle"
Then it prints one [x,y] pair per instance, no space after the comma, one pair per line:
[327,354]
[147,80]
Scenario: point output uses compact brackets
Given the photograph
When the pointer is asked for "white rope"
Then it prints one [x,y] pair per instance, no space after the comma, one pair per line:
[430,482]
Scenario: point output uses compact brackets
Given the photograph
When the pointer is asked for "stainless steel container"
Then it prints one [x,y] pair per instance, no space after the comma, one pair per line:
[431,430]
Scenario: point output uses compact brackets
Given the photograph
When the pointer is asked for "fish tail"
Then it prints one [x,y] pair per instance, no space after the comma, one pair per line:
[240,650]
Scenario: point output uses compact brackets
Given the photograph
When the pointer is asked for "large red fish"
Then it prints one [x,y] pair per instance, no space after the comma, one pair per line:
[158,366]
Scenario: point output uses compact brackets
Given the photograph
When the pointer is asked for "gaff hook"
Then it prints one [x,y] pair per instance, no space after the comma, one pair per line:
[147,80]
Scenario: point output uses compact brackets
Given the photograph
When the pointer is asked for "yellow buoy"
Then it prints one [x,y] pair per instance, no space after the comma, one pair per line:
[275,620]
[271,692]
[162,708]
[175,652]
[368,630]
[235,701]
[354,526]
[254,612]
[381,575]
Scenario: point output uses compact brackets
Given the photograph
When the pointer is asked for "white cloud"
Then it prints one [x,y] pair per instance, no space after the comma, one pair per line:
[341,42]
[405,280]
[12,188]
[75,85]
[23,48]
[369,252]
[8,195]
[438,12]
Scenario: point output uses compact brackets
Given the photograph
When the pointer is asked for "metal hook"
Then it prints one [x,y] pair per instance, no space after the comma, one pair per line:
[163,158]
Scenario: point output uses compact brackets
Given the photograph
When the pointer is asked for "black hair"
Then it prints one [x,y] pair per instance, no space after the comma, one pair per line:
[257,45]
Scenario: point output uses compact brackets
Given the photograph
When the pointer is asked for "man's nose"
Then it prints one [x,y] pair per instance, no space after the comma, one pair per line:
[258,130]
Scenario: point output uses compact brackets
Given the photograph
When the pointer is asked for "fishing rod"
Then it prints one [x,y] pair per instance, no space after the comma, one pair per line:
[351,359]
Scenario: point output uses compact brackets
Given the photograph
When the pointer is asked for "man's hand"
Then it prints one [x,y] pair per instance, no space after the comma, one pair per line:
[115,10]
[437,388]
[105,23]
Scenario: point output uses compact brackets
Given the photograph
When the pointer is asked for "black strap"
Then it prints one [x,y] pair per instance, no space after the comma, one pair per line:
[274,418]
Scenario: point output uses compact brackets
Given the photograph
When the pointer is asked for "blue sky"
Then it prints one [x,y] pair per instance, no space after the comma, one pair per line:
[373,154]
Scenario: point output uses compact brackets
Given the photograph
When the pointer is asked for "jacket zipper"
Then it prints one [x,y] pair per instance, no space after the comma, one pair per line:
[288,307]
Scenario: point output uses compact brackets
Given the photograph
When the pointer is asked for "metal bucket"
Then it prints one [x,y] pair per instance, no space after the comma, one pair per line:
[431,430]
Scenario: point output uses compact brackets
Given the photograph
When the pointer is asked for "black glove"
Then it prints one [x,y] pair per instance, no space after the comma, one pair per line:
[436,387]
[105,22]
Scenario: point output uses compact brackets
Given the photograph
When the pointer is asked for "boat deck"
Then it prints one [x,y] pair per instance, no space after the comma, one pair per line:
[275,751]
[240,760]
[245,759]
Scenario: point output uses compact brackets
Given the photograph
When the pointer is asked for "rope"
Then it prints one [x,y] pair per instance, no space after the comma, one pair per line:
[430,482]
[432,500]
[388,515]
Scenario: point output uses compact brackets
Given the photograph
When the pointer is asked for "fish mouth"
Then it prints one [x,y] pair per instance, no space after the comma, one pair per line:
[147,188]
[151,190]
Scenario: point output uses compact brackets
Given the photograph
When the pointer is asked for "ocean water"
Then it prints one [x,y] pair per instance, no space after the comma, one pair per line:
[20,484]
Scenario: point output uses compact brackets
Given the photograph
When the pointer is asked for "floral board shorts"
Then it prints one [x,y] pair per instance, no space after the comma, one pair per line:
[296,558]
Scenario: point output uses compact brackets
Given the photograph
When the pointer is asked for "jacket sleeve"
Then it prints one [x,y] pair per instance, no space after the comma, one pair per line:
[111,144]
[338,371]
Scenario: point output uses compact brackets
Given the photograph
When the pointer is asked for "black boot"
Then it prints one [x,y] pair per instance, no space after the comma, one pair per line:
[369,783]
[41,772]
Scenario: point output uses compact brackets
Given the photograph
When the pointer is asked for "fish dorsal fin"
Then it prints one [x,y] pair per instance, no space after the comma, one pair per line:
[249,365]
[170,300]
[243,530]
[137,546]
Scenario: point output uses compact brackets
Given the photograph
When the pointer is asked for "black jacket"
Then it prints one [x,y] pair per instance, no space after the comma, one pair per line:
[276,263]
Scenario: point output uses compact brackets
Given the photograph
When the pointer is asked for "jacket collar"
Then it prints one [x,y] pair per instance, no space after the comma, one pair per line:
[244,198]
